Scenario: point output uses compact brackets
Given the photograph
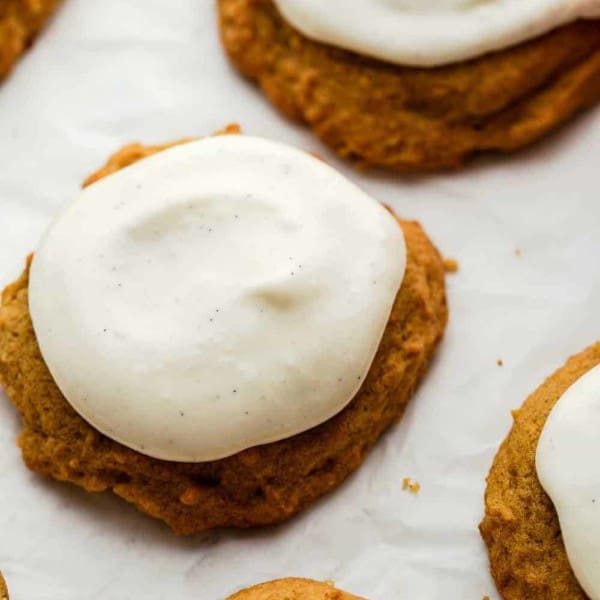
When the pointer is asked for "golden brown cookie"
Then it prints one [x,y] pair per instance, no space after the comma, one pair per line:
[20,23]
[259,486]
[293,589]
[3,589]
[415,119]
[521,529]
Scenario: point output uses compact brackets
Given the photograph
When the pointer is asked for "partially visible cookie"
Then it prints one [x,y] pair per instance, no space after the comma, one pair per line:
[3,590]
[293,589]
[282,589]
[521,528]
[20,23]
[415,119]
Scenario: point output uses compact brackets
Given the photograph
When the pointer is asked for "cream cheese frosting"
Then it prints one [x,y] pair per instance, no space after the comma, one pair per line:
[427,33]
[568,469]
[219,295]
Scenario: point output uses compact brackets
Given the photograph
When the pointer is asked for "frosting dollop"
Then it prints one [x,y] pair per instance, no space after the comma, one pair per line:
[567,467]
[429,33]
[219,295]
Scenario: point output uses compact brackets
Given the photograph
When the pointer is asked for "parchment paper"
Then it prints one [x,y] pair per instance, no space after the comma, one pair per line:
[111,72]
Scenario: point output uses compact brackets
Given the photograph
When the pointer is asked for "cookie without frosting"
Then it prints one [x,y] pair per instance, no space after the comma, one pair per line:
[259,486]
[415,119]
[521,528]
[20,23]
[293,589]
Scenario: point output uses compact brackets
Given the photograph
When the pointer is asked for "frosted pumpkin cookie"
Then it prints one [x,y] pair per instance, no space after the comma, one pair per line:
[218,333]
[20,23]
[417,85]
[293,589]
[542,503]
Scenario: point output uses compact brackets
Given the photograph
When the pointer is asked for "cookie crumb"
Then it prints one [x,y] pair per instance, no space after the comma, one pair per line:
[318,156]
[450,265]
[500,362]
[411,485]
[230,129]
[190,497]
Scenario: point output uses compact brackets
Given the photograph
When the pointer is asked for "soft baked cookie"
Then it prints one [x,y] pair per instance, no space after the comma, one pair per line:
[521,528]
[20,23]
[3,590]
[261,485]
[293,589]
[415,119]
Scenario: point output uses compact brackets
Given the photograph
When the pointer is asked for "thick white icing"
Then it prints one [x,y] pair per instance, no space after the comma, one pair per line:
[429,33]
[219,295]
[568,468]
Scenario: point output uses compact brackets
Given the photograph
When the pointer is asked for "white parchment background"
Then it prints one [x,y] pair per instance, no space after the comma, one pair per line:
[107,73]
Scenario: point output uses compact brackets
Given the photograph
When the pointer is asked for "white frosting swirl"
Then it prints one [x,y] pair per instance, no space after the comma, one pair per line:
[429,33]
[219,295]
[568,469]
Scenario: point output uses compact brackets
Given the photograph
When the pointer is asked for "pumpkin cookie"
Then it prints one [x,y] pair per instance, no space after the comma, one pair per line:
[293,589]
[414,118]
[20,23]
[261,485]
[521,527]
[3,590]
